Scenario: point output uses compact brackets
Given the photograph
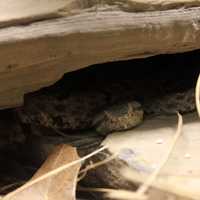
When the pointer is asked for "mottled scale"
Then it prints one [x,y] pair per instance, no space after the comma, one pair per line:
[119,117]
[182,102]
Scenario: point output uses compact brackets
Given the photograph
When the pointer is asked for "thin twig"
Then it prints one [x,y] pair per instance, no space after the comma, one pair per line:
[98,164]
[117,194]
[141,192]
[53,173]
[145,186]
[91,166]
[81,176]
[7,187]
[197,95]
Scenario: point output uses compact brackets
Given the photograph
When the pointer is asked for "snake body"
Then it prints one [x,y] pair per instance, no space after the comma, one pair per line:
[94,110]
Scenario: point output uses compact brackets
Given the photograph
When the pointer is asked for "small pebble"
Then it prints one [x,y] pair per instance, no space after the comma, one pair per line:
[159,141]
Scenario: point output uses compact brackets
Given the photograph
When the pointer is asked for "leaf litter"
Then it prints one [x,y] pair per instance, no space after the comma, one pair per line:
[58,176]
[56,179]
[60,186]
[155,187]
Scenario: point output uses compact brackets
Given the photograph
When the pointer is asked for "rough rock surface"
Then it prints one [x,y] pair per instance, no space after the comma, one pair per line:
[106,109]
[39,42]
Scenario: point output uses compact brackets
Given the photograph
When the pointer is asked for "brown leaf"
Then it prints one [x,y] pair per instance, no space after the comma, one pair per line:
[61,186]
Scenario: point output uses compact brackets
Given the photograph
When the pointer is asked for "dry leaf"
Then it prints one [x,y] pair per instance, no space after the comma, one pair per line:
[61,186]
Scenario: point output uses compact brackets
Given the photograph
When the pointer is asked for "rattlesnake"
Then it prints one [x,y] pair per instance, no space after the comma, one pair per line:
[99,111]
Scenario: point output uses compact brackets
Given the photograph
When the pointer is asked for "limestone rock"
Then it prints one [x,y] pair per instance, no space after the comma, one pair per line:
[39,42]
